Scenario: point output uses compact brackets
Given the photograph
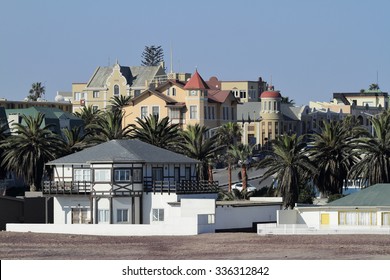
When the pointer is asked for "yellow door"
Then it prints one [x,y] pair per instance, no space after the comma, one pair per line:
[325,219]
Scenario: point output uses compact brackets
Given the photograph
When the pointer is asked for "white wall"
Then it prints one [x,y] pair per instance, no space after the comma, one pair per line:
[63,208]
[229,217]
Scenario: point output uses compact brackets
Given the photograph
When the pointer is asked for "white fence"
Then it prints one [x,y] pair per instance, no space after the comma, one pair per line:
[264,229]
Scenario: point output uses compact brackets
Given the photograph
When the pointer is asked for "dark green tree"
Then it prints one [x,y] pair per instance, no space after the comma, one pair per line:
[37,91]
[241,153]
[152,56]
[120,101]
[196,145]
[290,165]
[27,151]
[161,133]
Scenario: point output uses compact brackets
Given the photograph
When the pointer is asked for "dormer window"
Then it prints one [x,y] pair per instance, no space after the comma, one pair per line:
[116,90]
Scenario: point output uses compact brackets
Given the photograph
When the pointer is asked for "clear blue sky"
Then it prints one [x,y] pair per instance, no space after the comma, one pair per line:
[310,48]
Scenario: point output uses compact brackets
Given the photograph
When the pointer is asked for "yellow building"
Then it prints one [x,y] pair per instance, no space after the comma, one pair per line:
[191,102]
[116,80]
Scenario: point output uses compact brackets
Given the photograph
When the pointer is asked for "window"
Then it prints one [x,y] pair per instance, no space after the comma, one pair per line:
[357,218]
[156,111]
[242,94]
[95,94]
[82,175]
[193,112]
[122,175]
[205,113]
[386,219]
[233,115]
[193,93]
[173,92]
[158,215]
[212,117]
[79,95]
[116,90]
[95,108]
[174,113]
[211,219]
[144,112]
[137,175]
[80,216]
[102,175]
[103,216]
[137,92]
[157,174]
[122,215]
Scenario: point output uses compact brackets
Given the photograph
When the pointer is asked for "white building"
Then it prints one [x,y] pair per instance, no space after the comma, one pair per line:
[128,187]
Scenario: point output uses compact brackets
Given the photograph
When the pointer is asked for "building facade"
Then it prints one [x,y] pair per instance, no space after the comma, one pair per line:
[109,81]
[185,103]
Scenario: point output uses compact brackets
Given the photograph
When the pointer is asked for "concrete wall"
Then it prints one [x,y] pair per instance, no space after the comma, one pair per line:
[233,217]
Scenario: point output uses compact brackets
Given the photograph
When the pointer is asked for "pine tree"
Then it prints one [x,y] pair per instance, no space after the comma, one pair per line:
[152,56]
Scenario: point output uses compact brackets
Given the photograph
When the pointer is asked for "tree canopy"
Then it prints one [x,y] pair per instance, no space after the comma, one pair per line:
[152,56]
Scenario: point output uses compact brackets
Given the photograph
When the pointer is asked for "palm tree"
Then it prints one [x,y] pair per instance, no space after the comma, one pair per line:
[120,101]
[36,91]
[160,133]
[89,115]
[374,151]
[331,151]
[241,153]
[228,134]
[108,126]
[27,151]
[290,164]
[195,145]
[287,100]
[75,139]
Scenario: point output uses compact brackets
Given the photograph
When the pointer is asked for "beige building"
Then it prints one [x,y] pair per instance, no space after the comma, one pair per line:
[244,91]
[364,105]
[116,80]
[266,120]
[184,103]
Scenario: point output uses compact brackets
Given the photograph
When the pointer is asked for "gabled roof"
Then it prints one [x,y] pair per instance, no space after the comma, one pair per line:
[142,74]
[196,82]
[156,93]
[99,78]
[170,82]
[376,195]
[123,151]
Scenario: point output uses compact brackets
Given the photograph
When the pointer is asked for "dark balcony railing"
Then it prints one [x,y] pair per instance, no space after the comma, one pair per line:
[183,187]
[74,187]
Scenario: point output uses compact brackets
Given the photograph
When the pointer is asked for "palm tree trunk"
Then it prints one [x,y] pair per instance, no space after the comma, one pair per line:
[243,172]
[230,177]
[210,173]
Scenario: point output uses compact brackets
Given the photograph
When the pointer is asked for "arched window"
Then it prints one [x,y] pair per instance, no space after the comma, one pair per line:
[116,90]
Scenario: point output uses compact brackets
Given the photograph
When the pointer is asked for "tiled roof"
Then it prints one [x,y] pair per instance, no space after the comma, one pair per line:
[123,151]
[218,95]
[214,83]
[196,82]
[376,195]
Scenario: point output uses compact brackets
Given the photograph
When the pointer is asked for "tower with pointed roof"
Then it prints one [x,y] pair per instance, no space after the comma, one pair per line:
[196,98]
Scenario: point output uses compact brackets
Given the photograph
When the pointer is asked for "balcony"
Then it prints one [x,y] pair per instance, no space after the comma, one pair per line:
[183,187]
[73,187]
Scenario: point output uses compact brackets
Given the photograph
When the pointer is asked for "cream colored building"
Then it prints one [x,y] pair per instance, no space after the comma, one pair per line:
[191,102]
[116,80]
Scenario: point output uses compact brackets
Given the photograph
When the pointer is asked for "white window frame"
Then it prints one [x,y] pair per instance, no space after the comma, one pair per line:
[122,215]
[122,175]
[158,111]
[82,174]
[103,216]
[95,94]
[102,175]
[158,214]
[144,112]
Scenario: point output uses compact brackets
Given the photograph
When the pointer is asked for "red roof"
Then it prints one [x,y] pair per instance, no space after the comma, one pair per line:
[196,82]
[218,95]
[214,83]
[270,94]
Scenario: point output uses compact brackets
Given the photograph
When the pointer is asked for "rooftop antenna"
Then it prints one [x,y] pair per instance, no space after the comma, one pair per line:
[171,60]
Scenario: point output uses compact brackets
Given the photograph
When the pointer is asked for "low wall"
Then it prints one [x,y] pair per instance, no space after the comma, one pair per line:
[291,229]
[188,226]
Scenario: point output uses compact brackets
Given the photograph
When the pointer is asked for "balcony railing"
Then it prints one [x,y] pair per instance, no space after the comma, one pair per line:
[74,187]
[85,188]
[183,187]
